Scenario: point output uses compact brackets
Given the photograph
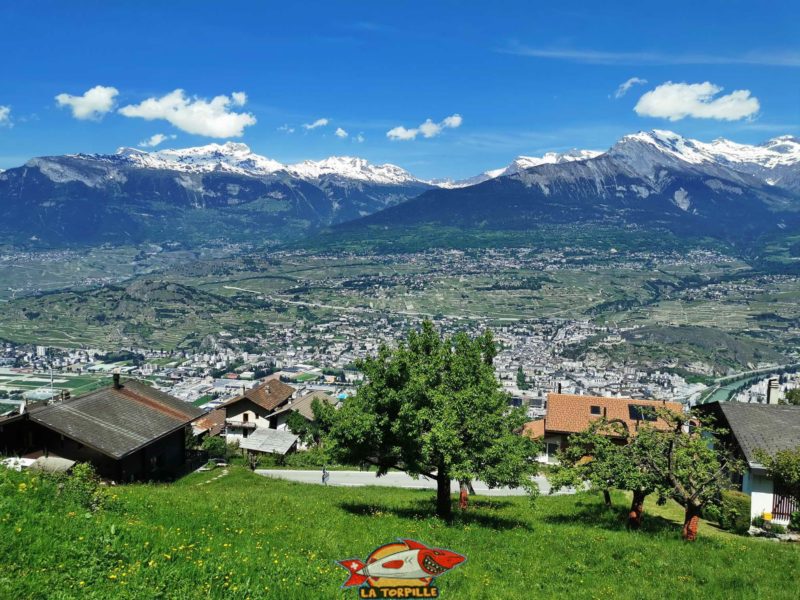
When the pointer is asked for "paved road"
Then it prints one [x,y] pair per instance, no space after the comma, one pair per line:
[393,479]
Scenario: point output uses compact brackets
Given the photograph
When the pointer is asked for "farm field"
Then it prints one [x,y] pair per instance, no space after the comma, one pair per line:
[76,384]
[241,535]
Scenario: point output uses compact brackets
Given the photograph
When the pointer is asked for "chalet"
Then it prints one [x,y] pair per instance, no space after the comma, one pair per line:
[569,413]
[126,431]
[251,410]
[767,428]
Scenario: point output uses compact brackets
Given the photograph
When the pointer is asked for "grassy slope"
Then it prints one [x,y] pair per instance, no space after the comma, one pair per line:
[245,536]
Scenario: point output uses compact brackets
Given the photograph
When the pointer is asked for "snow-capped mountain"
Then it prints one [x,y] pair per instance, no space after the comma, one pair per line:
[519,164]
[240,159]
[647,179]
[224,187]
[773,162]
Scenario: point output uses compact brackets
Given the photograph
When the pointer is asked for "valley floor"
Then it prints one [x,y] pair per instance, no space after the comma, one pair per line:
[245,536]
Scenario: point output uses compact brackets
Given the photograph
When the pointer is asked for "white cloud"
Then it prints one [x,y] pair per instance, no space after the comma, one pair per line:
[5,116]
[340,133]
[675,101]
[428,129]
[401,133]
[195,115]
[624,87]
[317,123]
[359,138]
[286,129]
[92,105]
[155,140]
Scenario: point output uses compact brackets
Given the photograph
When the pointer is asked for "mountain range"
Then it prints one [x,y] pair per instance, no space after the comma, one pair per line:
[225,191]
[654,181]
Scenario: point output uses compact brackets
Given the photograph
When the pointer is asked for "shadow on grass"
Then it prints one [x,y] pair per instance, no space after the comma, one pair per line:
[425,509]
[610,517]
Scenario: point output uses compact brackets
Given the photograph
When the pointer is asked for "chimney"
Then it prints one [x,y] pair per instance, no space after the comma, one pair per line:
[559,387]
[117,384]
[773,391]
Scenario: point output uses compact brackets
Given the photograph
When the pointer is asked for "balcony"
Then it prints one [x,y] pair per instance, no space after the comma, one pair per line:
[237,424]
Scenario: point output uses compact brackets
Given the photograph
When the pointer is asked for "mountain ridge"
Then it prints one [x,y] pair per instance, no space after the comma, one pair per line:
[219,191]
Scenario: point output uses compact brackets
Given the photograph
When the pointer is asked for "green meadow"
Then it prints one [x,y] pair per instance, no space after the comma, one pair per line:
[244,536]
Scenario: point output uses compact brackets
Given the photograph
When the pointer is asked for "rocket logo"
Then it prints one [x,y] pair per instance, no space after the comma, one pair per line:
[403,569]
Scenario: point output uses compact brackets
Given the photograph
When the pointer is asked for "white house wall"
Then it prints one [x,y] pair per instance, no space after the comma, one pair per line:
[759,487]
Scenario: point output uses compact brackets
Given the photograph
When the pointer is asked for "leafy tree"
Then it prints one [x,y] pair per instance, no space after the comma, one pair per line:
[784,468]
[521,381]
[689,463]
[607,456]
[433,407]
[792,397]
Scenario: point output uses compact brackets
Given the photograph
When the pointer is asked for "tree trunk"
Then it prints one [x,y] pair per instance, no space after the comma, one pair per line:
[637,510]
[463,497]
[607,497]
[443,507]
[690,522]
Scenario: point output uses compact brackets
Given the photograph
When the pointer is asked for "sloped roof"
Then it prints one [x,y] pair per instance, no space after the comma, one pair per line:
[264,439]
[570,413]
[213,422]
[268,395]
[117,422]
[52,464]
[768,427]
[534,429]
[303,405]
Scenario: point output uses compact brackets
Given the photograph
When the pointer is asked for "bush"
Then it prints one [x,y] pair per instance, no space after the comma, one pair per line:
[83,487]
[794,521]
[774,528]
[759,522]
[313,457]
[215,446]
[734,511]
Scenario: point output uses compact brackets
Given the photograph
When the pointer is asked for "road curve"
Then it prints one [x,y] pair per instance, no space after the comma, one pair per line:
[396,480]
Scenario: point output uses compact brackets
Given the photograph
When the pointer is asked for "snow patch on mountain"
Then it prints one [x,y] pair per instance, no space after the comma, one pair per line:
[681,199]
[349,167]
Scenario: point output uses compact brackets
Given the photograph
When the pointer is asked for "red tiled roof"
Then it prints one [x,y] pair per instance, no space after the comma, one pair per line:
[569,413]
[534,429]
[268,395]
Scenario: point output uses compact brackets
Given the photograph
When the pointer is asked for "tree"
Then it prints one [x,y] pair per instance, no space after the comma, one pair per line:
[784,468]
[792,397]
[606,456]
[521,381]
[433,407]
[689,463]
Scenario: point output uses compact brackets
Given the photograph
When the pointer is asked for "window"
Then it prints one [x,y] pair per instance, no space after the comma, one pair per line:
[245,417]
[595,410]
[551,448]
[638,412]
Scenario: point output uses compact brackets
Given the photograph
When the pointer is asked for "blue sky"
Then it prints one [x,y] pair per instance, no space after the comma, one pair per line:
[512,77]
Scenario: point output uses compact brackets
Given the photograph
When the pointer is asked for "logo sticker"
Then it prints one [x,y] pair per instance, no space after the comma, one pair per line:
[402,569]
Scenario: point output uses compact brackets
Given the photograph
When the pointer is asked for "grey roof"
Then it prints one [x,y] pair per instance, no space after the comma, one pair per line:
[117,422]
[264,439]
[767,427]
[52,464]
